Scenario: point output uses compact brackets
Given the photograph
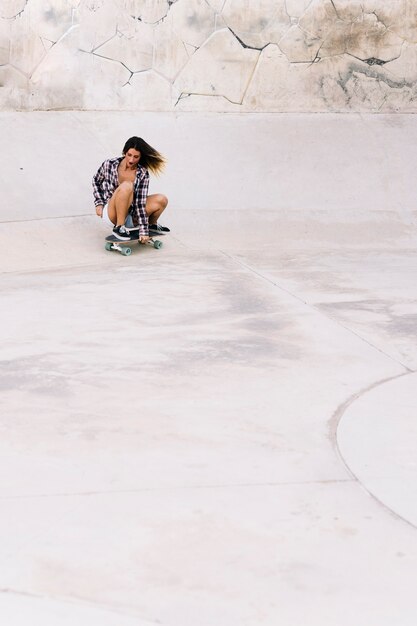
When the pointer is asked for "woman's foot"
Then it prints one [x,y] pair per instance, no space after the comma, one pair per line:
[121,232]
[158,229]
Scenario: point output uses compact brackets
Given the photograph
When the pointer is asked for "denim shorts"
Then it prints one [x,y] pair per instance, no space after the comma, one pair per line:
[107,220]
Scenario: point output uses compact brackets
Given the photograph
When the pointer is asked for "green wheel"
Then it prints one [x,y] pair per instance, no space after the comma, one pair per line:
[127,251]
[108,245]
[157,244]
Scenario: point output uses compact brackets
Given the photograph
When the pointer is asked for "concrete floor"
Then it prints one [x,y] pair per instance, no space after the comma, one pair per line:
[222,432]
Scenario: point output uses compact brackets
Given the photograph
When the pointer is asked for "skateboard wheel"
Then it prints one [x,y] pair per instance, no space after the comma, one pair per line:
[108,246]
[157,244]
[127,251]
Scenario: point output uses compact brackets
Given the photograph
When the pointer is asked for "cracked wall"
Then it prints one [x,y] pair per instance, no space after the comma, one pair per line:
[209,55]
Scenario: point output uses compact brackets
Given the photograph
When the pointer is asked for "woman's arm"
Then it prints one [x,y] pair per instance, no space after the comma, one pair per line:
[97,181]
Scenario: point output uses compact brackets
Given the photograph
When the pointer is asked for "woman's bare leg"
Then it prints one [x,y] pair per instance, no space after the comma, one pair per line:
[155,205]
[120,202]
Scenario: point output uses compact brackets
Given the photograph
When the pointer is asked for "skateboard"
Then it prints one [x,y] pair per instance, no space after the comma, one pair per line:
[124,245]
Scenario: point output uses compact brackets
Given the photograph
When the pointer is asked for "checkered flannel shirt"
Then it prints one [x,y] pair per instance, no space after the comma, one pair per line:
[106,181]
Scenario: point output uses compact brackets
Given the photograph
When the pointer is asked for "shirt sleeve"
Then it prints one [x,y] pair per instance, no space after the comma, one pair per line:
[98,179]
[141,193]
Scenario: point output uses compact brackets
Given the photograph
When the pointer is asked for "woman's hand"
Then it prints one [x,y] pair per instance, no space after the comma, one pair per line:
[99,210]
[143,239]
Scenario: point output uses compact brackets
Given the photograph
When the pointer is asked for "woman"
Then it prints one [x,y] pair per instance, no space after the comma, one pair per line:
[120,189]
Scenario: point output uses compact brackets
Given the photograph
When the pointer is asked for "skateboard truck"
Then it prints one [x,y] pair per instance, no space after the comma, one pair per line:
[124,248]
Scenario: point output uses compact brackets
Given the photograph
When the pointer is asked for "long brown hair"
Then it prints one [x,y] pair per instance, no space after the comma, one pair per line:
[149,157]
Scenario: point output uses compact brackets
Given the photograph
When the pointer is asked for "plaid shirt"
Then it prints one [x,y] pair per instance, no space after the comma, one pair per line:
[106,181]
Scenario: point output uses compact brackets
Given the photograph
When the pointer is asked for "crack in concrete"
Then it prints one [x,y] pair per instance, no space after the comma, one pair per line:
[244,45]
[128,80]
[378,19]
[43,39]
[102,56]
[317,58]
[286,10]
[182,96]
[301,15]
[335,10]
[205,95]
[14,17]
[251,77]
[55,43]
[17,69]
[217,12]
[373,60]
[117,32]
[139,18]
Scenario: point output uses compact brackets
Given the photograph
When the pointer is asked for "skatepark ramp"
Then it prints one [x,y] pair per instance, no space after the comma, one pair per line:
[221,432]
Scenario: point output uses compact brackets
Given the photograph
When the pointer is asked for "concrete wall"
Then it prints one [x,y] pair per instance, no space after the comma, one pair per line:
[209,55]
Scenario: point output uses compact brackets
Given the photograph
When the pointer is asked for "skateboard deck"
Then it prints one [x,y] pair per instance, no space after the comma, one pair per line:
[124,245]
[152,233]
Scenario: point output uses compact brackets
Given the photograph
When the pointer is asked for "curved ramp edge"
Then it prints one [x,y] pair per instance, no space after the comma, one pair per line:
[377,438]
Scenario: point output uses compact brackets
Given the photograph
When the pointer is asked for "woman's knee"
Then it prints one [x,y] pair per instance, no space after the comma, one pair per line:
[162,200]
[156,202]
[125,187]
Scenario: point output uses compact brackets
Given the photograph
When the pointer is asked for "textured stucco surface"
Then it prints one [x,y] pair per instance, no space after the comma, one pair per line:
[209,55]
